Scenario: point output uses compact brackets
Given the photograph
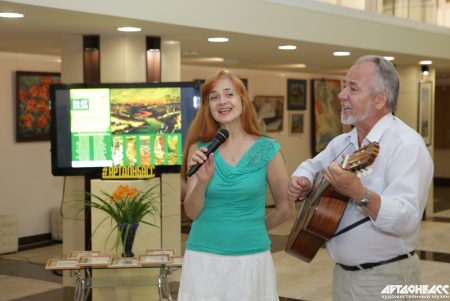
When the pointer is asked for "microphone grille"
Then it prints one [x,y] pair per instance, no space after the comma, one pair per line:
[222,135]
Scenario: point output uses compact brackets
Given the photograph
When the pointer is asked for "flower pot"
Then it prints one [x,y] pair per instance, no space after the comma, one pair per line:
[127,234]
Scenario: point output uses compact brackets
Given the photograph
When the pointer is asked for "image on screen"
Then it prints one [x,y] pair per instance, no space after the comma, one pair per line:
[120,125]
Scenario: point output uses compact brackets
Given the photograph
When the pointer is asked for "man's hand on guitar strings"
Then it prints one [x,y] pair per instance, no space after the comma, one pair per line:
[298,188]
[345,182]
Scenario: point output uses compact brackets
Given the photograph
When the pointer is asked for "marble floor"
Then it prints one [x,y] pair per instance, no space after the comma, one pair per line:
[23,278]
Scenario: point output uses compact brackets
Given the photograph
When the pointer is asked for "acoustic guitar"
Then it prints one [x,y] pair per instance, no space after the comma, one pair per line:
[322,210]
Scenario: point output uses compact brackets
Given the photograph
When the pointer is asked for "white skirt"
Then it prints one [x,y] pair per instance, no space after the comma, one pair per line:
[211,277]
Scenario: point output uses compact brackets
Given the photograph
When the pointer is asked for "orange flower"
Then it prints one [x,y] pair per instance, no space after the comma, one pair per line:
[42,122]
[46,80]
[124,191]
[27,120]
[22,94]
[43,92]
[42,107]
[34,91]
[31,106]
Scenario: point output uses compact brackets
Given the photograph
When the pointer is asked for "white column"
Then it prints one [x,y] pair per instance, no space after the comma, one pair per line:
[122,59]
[72,59]
[170,61]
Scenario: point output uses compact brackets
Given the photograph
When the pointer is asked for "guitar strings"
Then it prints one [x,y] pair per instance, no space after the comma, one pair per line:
[335,159]
[320,173]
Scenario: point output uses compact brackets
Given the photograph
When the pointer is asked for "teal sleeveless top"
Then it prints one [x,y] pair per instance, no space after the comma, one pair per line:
[232,221]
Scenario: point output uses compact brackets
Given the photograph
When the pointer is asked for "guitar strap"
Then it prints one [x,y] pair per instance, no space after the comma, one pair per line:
[349,227]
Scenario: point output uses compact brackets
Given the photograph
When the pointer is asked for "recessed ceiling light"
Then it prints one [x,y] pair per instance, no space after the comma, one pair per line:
[170,42]
[190,53]
[293,66]
[129,29]
[426,62]
[11,15]
[287,47]
[389,58]
[341,53]
[213,59]
[218,40]
[204,59]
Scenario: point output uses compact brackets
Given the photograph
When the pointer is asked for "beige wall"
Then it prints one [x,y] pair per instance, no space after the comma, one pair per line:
[28,190]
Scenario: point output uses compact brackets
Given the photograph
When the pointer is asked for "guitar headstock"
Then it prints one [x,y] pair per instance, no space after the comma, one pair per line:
[361,159]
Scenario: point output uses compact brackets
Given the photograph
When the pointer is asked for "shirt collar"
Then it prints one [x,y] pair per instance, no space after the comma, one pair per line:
[380,127]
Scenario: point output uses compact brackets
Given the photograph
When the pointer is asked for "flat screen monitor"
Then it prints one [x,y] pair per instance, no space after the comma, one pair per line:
[131,124]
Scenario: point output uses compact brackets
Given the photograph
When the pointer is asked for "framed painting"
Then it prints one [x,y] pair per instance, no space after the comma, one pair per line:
[425,110]
[245,82]
[125,262]
[325,113]
[269,111]
[32,105]
[296,94]
[176,261]
[78,254]
[62,264]
[94,260]
[199,80]
[170,252]
[154,259]
[295,123]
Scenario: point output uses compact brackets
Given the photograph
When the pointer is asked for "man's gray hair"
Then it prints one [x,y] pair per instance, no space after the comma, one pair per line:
[386,78]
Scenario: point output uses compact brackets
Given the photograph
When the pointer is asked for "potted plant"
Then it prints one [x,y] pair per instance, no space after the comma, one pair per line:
[127,207]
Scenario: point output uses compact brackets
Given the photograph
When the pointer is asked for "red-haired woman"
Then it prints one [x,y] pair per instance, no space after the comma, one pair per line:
[227,254]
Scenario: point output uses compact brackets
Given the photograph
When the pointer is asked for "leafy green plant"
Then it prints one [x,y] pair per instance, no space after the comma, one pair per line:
[126,206]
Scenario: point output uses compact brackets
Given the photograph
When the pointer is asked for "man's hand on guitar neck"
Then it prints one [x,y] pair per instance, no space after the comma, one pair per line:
[345,182]
[298,188]
[348,183]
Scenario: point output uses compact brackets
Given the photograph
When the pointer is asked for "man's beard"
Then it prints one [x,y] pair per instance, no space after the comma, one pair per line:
[348,121]
[352,119]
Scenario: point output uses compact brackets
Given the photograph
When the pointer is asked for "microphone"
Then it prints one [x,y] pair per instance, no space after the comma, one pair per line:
[217,141]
